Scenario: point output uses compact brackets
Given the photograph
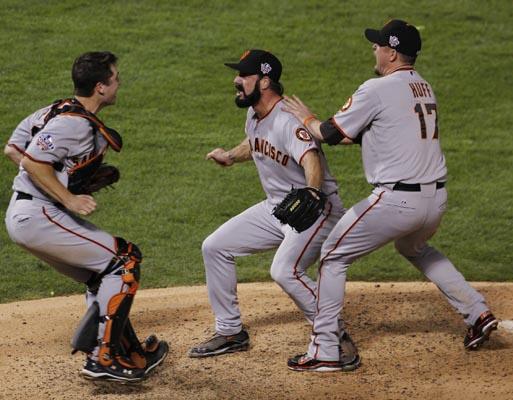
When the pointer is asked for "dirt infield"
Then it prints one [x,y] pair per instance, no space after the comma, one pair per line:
[409,338]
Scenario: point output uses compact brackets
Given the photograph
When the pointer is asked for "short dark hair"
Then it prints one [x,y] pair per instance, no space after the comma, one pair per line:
[91,68]
[407,59]
[276,87]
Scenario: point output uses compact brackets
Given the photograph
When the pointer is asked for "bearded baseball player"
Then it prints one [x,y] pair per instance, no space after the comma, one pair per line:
[286,156]
[394,117]
[61,166]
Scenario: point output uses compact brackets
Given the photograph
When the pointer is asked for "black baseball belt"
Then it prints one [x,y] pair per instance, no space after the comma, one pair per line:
[23,196]
[413,187]
[26,196]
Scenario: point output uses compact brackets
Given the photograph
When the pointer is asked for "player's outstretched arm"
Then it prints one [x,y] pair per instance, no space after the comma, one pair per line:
[43,176]
[240,153]
[300,110]
[296,107]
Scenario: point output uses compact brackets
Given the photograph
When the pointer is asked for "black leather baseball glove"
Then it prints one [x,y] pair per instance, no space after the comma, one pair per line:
[92,178]
[301,208]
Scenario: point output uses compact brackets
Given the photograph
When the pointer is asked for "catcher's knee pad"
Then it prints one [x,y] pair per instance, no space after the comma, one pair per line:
[127,264]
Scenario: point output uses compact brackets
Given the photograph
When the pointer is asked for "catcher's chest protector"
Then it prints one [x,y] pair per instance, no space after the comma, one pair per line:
[86,167]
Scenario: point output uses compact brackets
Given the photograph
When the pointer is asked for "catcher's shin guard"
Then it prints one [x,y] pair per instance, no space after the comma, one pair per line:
[119,305]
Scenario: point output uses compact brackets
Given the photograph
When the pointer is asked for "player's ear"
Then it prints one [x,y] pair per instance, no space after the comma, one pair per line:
[265,83]
[393,55]
[99,88]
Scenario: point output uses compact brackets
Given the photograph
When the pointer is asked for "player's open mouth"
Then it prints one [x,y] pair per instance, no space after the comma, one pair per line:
[240,90]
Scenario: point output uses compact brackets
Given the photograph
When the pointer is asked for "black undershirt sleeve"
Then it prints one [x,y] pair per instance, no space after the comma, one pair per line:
[330,133]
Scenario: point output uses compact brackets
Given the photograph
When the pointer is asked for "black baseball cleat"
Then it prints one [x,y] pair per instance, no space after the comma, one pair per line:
[480,332]
[116,372]
[219,344]
[349,357]
[155,352]
[302,362]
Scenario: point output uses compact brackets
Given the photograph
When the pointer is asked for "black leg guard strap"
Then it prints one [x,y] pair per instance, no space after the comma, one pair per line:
[132,346]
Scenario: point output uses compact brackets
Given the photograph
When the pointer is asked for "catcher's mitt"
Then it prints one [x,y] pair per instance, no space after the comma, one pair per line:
[81,182]
[301,208]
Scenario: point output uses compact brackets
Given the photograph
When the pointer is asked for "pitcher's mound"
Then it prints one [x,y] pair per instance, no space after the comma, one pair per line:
[410,340]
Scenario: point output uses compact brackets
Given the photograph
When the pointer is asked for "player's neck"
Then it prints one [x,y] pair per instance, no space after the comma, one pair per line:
[266,104]
[395,67]
[91,104]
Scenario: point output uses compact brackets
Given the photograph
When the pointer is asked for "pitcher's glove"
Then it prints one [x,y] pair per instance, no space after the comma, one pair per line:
[86,181]
[301,208]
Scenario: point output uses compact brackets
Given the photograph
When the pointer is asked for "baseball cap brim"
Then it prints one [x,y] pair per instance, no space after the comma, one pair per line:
[233,65]
[241,68]
[374,36]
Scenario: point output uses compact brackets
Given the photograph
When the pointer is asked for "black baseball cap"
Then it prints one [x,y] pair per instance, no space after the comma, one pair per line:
[259,62]
[398,35]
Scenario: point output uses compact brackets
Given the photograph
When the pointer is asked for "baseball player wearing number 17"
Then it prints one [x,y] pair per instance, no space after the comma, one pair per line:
[285,155]
[394,117]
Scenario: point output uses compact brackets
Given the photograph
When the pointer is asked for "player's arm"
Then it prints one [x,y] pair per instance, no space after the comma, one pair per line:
[240,153]
[311,163]
[322,131]
[13,154]
[43,175]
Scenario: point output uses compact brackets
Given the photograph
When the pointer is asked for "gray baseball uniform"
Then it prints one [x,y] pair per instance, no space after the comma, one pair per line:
[73,246]
[278,143]
[396,118]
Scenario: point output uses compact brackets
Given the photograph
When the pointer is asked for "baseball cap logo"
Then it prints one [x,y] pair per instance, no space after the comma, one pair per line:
[265,68]
[393,41]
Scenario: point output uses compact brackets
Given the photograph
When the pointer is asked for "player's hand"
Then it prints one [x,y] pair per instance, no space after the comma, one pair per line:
[82,204]
[221,157]
[296,107]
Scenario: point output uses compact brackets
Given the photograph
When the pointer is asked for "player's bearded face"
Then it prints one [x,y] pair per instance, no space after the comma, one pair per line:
[244,100]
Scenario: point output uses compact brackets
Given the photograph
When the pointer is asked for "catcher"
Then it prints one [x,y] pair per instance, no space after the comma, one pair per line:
[295,222]
[61,166]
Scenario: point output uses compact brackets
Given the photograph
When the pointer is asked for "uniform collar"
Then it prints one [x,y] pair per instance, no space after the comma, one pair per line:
[255,116]
[402,68]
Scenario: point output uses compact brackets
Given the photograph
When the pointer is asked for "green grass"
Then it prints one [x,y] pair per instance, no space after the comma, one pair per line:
[176,104]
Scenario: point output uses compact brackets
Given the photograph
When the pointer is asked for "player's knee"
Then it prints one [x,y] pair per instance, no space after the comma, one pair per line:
[325,252]
[281,274]
[340,256]
[406,250]
[401,249]
[209,247]
[126,261]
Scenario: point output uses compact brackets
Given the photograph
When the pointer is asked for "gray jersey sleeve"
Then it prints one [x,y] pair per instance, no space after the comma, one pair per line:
[298,140]
[55,143]
[22,135]
[358,112]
